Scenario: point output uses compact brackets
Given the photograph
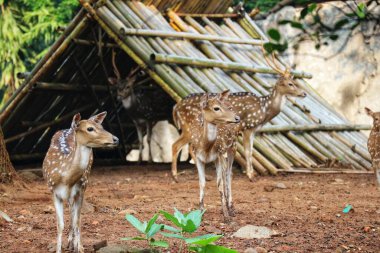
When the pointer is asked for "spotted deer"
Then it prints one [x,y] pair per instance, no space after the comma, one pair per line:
[143,103]
[212,133]
[67,166]
[374,143]
[254,112]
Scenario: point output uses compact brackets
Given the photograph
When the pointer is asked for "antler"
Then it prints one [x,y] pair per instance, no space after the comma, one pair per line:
[274,66]
[115,70]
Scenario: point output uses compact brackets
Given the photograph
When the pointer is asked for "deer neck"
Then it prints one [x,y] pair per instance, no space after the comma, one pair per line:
[208,136]
[274,104]
[82,156]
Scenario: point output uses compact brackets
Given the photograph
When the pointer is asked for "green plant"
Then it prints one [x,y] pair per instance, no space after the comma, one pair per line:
[188,224]
[185,225]
[148,229]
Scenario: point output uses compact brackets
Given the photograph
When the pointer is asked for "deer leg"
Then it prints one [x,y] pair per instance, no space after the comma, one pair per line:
[202,182]
[230,160]
[149,138]
[221,182]
[376,168]
[76,200]
[247,143]
[176,147]
[58,204]
[140,137]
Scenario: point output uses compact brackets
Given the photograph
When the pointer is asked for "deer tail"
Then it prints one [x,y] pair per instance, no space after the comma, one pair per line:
[176,118]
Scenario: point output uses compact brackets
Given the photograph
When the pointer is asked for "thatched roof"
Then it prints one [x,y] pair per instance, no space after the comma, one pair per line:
[71,78]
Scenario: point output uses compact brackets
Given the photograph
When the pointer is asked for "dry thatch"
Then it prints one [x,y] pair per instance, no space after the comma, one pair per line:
[73,67]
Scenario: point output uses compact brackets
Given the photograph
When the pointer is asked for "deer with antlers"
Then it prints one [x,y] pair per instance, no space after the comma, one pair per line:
[254,112]
[67,166]
[143,103]
[374,143]
[211,129]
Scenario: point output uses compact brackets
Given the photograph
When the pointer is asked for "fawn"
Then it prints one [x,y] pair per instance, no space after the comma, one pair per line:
[67,166]
[211,129]
[374,143]
[254,112]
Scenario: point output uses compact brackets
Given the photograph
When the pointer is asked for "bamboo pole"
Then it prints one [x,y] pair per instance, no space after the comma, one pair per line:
[189,36]
[47,124]
[94,43]
[310,128]
[67,87]
[161,58]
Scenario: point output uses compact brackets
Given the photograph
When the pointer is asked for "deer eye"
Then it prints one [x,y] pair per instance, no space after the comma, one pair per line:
[216,109]
[90,129]
[290,84]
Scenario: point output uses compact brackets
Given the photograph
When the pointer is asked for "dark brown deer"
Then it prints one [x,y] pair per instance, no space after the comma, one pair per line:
[144,103]
[67,166]
[211,129]
[374,143]
[254,112]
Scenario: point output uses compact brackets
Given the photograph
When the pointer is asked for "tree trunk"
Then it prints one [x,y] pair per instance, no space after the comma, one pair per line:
[7,171]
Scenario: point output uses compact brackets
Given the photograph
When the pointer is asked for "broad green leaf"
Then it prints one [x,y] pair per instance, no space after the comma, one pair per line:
[180,217]
[171,229]
[171,218]
[297,25]
[284,22]
[333,36]
[304,12]
[274,34]
[133,238]
[217,249]
[189,227]
[162,244]
[203,240]
[360,11]
[268,47]
[135,222]
[153,230]
[196,217]
[311,7]
[151,222]
[169,235]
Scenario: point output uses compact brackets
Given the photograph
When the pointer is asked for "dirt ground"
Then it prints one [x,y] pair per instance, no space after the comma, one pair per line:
[307,214]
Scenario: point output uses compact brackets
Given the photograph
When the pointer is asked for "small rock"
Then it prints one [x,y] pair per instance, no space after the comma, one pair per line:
[367,229]
[280,186]
[20,229]
[268,188]
[254,232]
[49,209]
[99,245]
[140,197]
[262,200]
[338,181]
[256,250]
[25,212]
[114,249]
[212,229]
[209,178]
[127,211]
[30,176]
[95,222]
[88,207]
[314,207]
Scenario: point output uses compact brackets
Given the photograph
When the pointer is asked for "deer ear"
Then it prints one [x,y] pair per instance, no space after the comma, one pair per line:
[75,121]
[112,80]
[368,111]
[98,118]
[223,95]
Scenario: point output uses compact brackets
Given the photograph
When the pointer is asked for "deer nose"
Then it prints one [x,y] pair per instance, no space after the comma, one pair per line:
[237,119]
[115,140]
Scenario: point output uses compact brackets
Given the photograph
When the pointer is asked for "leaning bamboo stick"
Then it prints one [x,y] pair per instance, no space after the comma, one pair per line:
[310,128]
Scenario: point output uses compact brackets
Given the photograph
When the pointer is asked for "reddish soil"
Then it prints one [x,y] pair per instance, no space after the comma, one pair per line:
[307,214]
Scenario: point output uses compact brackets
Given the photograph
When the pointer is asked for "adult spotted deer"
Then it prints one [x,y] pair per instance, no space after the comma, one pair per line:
[144,103]
[212,133]
[374,143]
[254,112]
[67,166]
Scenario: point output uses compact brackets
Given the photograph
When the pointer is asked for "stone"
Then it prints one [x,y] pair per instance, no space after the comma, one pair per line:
[280,186]
[114,249]
[256,250]
[98,245]
[30,176]
[127,211]
[49,209]
[212,229]
[254,232]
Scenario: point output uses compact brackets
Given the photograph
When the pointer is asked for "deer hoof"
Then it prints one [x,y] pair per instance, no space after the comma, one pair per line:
[80,249]
[232,211]
[175,178]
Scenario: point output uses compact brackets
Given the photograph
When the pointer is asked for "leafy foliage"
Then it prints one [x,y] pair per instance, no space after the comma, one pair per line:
[28,28]
[185,225]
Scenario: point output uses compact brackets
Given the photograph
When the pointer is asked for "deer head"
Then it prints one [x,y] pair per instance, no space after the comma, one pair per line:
[285,85]
[375,116]
[124,85]
[216,110]
[90,132]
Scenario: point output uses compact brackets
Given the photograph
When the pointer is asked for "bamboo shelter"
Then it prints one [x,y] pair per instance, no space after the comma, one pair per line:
[202,50]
